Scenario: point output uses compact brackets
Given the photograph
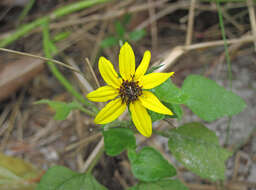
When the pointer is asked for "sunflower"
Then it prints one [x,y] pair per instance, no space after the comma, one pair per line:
[131,89]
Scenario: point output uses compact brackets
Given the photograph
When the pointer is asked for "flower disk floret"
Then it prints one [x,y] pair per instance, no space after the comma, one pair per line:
[130,90]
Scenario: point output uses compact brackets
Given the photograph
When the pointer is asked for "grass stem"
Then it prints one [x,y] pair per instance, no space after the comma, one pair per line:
[228,63]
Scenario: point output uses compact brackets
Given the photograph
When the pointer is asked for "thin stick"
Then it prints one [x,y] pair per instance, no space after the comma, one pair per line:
[178,51]
[82,142]
[85,85]
[92,71]
[12,119]
[108,15]
[237,165]
[25,29]
[252,19]
[152,13]
[98,41]
[5,12]
[40,57]
[232,20]
[228,64]
[94,157]
[220,43]
[190,22]
[79,130]
[164,12]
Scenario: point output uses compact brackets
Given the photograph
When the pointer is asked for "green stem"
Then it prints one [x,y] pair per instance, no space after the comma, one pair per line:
[225,44]
[21,32]
[228,64]
[118,123]
[25,29]
[75,7]
[47,44]
[88,112]
[26,10]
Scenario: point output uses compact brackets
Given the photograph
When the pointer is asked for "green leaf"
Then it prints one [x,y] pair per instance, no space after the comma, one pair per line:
[137,34]
[198,149]
[210,101]
[61,178]
[116,140]
[61,36]
[149,165]
[153,68]
[17,174]
[175,108]
[156,116]
[53,48]
[169,93]
[62,109]
[109,42]
[120,30]
[15,168]
[164,184]
[224,1]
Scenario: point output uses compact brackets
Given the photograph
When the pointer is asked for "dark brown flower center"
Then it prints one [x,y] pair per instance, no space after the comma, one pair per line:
[129,91]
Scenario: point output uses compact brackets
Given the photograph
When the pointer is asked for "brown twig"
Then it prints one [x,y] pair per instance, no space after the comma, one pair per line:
[83,142]
[236,166]
[96,153]
[92,72]
[169,9]
[181,50]
[99,38]
[190,22]
[84,84]
[153,25]
[252,19]
[109,15]
[39,57]
[12,119]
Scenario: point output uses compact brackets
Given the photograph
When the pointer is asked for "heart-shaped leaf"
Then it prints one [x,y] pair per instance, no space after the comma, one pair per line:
[168,92]
[210,101]
[149,165]
[197,148]
[117,140]
[175,108]
[62,109]
[164,184]
[61,178]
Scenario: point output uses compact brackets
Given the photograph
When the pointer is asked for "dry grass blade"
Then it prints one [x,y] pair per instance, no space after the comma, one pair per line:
[82,142]
[190,22]
[180,50]
[92,72]
[252,19]
[39,57]
[153,25]
[92,158]
[12,120]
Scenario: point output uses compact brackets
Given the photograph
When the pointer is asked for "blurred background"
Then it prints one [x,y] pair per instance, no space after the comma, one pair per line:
[183,35]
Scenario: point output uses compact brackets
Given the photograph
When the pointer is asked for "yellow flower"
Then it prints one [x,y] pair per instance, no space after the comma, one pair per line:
[131,90]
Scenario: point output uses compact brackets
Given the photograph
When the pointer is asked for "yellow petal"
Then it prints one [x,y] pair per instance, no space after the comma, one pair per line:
[103,94]
[150,101]
[126,62]
[154,79]
[142,68]
[108,73]
[141,118]
[110,112]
